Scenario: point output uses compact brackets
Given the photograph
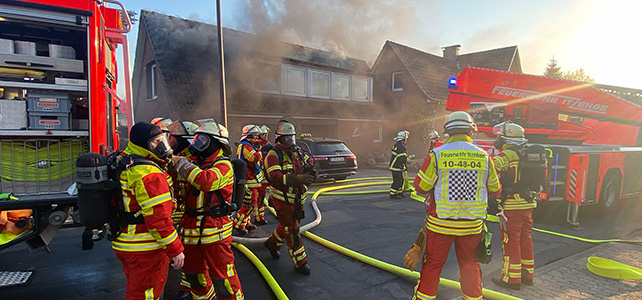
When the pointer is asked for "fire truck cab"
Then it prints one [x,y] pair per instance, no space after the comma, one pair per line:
[592,132]
[58,100]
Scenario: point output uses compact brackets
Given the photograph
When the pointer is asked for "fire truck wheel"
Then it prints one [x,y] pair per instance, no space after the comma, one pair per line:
[610,194]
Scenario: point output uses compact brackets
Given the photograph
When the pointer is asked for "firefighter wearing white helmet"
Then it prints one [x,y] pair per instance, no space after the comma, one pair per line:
[434,139]
[162,123]
[259,212]
[458,178]
[515,212]
[397,166]
[249,150]
[206,227]
[285,165]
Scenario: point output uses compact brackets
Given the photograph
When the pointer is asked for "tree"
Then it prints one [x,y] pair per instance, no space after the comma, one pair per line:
[577,75]
[553,70]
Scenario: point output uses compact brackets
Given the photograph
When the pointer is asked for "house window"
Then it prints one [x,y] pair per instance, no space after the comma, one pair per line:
[151,81]
[319,84]
[397,81]
[267,77]
[341,87]
[361,88]
[294,81]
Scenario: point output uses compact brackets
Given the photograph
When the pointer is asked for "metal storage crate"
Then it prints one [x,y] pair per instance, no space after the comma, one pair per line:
[48,102]
[26,48]
[6,46]
[59,51]
[47,120]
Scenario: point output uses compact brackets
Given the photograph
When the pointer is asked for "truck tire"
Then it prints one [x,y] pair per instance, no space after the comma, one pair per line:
[610,193]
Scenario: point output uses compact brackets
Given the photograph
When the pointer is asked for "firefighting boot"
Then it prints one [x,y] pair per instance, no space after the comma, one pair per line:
[240,231]
[250,226]
[261,222]
[183,296]
[304,269]
[525,279]
[501,283]
[270,244]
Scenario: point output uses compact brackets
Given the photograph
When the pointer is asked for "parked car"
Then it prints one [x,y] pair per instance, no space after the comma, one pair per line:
[333,159]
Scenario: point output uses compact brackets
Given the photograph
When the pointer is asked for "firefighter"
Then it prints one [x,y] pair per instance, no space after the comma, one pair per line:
[458,178]
[150,241]
[516,214]
[181,134]
[206,228]
[434,139]
[398,164]
[286,167]
[259,213]
[249,151]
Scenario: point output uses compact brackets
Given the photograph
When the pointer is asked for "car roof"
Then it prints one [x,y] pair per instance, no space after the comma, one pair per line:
[317,140]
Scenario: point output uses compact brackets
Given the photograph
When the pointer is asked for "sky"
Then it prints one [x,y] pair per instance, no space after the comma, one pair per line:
[601,37]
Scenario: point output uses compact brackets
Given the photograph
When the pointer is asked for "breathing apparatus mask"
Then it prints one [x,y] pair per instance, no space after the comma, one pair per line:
[159,146]
[179,143]
[287,140]
[203,145]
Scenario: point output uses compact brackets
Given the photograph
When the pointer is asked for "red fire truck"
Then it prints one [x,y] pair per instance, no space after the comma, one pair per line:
[592,132]
[58,100]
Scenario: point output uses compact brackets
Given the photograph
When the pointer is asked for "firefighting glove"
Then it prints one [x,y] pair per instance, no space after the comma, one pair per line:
[182,166]
[412,257]
[298,179]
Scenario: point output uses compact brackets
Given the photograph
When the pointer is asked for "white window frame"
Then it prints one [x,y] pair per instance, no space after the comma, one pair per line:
[152,74]
[284,82]
[334,78]
[393,82]
[311,84]
[368,81]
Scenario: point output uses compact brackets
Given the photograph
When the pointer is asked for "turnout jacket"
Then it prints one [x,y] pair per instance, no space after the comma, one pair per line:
[458,177]
[507,165]
[276,172]
[212,175]
[399,157]
[249,151]
[147,189]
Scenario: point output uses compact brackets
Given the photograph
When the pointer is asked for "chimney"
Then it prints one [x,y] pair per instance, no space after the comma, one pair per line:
[451,52]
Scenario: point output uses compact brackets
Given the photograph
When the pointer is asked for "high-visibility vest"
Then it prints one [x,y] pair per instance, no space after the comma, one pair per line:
[462,172]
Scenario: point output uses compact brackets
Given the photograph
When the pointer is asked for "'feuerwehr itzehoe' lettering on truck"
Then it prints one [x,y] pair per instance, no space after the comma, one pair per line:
[570,102]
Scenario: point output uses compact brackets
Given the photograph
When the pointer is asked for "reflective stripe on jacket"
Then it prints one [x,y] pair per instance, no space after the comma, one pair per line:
[147,189]
[399,157]
[215,176]
[507,165]
[453,214]
[276,173]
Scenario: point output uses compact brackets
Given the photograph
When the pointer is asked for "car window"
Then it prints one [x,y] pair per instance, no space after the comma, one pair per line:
[330,148]
[304,147]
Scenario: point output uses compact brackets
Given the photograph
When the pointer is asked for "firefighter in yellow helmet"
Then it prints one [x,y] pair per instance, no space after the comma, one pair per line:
[516,212]
[398,161]
[148,243]
[458,178]
[249,151]
[206,228]
[288,170]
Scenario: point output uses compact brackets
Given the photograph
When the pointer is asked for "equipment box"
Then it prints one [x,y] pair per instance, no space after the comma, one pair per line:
[13,114]
[48,102]
[48,120]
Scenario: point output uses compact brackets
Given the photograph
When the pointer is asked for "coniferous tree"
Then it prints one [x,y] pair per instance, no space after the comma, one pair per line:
[553,70]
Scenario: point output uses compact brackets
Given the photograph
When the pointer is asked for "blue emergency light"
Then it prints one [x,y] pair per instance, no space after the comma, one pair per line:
[452,81]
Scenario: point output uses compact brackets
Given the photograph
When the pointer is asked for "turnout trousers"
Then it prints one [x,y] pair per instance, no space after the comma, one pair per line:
[146,273]
[250,200]
[438,246]
[217,260]
[397,183]
[517,246]
[288,232]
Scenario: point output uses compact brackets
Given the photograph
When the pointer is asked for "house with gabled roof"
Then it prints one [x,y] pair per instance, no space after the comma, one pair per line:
[416,84]
[176,76]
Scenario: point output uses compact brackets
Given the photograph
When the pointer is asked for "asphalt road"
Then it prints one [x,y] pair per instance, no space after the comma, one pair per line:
[371,224]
